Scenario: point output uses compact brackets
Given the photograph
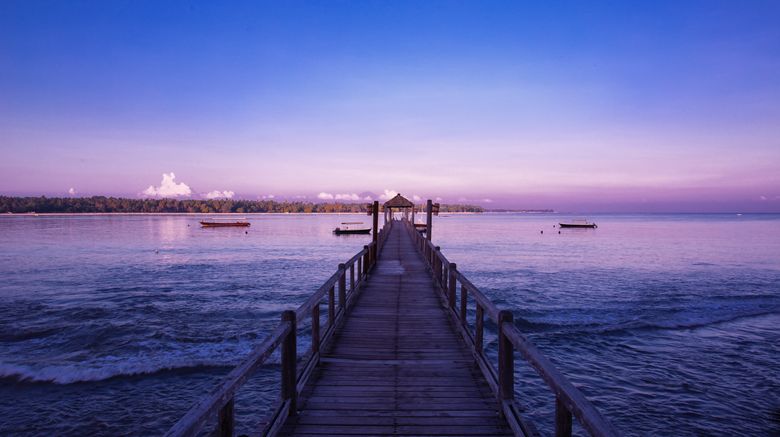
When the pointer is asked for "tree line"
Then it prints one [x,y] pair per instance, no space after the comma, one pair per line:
[102,204]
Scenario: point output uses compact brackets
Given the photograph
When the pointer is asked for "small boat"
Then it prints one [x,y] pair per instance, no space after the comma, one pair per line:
[582,223]
[239,222]
[346,229]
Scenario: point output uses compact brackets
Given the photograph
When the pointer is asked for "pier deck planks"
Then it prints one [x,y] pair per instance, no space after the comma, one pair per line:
[397,365]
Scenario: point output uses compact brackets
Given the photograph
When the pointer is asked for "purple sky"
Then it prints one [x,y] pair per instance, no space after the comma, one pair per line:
[568,105]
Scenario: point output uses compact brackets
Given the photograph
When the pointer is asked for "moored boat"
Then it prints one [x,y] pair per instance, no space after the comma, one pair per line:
[578,224]
[346,229]
[240,222]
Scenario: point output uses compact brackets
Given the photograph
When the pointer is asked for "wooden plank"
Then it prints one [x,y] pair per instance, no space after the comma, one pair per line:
[397,365]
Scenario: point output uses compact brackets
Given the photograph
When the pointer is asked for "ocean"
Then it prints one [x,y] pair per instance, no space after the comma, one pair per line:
[117,324]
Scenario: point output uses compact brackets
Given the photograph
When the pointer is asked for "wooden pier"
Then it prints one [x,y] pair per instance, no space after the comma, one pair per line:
[395,354]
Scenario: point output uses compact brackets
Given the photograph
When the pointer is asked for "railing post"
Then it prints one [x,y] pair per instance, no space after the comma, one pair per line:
[360,268]
[315,329]
[428,219]
[331,306]
[437,262]
[479,328]
[366,262]
[375,230]
[352,277]
[464,301]
[506,359]
[289,361]
[452,282]
[562,419]
[226,419]
[343,287]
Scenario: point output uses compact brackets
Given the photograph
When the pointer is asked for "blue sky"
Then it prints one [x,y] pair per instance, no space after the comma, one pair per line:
[567,105]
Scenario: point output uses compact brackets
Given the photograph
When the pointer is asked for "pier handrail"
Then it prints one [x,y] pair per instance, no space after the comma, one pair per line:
[221,400]
[568,399]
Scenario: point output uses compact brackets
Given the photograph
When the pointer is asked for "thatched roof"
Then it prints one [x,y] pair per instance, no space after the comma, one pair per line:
[399,201]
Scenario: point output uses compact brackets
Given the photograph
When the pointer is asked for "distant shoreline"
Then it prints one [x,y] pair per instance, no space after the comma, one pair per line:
[119,205]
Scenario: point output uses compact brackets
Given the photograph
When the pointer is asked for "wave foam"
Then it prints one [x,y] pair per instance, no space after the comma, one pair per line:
[114,366]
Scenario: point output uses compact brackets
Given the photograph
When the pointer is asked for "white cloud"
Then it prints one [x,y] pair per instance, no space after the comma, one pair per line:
[762,197]
[487,200]
[325,196]
[352,196]
[388,194]
[416,198]
[72,191]
[439,199]
[216,194]
[168,188]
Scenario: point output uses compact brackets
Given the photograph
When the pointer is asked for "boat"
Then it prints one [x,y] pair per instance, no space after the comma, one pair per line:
[239,222]
[346,229]
[581,223]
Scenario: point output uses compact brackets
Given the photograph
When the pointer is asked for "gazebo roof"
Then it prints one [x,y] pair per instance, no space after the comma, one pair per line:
[399,201]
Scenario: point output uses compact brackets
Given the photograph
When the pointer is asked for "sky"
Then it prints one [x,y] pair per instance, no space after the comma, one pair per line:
[582,106]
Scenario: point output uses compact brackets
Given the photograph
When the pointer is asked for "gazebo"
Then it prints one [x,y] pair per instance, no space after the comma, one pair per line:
[400,204]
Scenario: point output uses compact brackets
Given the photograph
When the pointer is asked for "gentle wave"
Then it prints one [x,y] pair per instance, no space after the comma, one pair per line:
[686,321]
[113,367]
[70,374]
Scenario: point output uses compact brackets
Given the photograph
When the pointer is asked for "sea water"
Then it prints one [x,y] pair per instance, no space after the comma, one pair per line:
[112,325]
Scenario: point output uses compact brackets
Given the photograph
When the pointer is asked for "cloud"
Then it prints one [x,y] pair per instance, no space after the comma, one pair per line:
[487,200]
[72,191]
[388,194]
[216,194]
[416,198]
[168,188]
[353,197]
[762,197]
[439,199]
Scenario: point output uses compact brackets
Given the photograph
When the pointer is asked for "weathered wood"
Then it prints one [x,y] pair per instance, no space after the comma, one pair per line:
[403,361]
[487,305]
[289,361]
[396,354]
[437,265]
[464,302]
[375,230]
[315,329]
[562,419]
[304,310]
[352,277]
[506,363]
[226,425]
[342,287]
[452,283]
[331,306]
[196,417]
[570,396]
[428,219]
[479,329]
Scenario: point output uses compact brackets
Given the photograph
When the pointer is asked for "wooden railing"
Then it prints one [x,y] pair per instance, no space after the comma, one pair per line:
[344,283]
[569,401]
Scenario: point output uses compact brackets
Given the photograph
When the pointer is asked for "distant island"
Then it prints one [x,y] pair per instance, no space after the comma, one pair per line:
[103,204]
